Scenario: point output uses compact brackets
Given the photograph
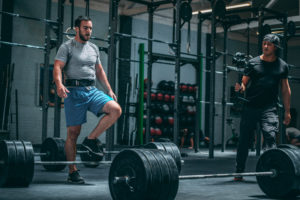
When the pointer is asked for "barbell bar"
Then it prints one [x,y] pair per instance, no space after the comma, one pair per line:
[272,173]
[78,152]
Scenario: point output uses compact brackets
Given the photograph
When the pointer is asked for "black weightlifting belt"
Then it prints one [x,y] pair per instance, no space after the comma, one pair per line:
[79,82]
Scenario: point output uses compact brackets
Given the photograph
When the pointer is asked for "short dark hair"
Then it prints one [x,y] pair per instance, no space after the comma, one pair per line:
[81,18]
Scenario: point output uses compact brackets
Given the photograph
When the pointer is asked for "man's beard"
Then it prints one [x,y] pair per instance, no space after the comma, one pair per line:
[83,38]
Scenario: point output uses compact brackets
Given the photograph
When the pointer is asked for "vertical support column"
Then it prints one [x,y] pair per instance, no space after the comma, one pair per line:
[224,100]
[248,39]
[113,25]
[284,40]
[124,79]
[260,29]
[260,39]
[285,51]
[6,33]
[199,84]
[177,72]
[149,70]
[57,109]
[5,61]
[141,92]
[46,73]
[212,82]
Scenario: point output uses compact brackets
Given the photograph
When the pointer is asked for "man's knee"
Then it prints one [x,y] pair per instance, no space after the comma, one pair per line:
[118,110]
[114,109]
[73,132]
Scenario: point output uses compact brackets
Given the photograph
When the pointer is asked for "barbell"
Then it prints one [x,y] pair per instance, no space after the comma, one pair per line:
[17,163]
[52,150]
[152,174]
[17,159]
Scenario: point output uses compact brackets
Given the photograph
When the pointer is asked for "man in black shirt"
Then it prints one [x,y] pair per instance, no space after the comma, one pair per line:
[260,82]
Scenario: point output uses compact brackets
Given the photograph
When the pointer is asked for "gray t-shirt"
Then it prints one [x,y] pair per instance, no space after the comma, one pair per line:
[80,59]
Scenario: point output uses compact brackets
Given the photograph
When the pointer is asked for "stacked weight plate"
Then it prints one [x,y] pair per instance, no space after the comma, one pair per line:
[17,168]
[286,162]
[153,175]
[169,147]
[55,151]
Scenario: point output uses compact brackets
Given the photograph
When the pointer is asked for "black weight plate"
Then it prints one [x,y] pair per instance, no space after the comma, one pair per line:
[156,186]
[281,186]
[174,175]
[18,179]
[7,155]
[169,147]
[55,152]
[29,163]
[91,158]
[61,149]
[11,162]
[129,163]
[170,179]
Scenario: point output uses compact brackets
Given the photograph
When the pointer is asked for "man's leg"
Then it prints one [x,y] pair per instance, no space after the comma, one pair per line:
[70,145]
[113,112]
[269,126]
[247,126]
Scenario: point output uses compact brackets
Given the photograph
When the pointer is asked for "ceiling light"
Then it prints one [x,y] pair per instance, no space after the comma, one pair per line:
[227,8]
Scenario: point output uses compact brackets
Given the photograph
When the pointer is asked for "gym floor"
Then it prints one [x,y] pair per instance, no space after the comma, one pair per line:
[52,185]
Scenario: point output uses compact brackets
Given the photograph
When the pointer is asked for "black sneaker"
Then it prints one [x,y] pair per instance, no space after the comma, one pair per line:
[75,178]
[95,149]
[239,178]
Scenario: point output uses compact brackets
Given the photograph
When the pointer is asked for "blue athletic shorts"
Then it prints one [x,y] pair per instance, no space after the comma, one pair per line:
[83,99]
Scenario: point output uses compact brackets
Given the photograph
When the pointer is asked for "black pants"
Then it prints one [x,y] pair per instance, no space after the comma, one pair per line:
[268,120]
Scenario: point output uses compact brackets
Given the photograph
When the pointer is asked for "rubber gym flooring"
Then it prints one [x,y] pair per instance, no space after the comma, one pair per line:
[52,185]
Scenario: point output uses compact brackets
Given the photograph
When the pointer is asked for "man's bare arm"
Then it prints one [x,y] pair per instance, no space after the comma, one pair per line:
[242,87]
[101,76]
[286,98]
[57,77]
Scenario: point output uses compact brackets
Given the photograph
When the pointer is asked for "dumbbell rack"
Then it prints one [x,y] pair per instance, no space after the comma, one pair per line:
[162,109]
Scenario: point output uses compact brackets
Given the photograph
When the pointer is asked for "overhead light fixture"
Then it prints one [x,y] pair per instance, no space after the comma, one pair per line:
[227,8]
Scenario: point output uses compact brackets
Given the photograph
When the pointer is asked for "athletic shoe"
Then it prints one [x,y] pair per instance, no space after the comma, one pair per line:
[75,178]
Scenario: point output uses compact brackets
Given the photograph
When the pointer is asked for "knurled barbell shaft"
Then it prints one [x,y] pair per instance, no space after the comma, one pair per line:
[268,173]
[78,152]
[272,173]
[2,162]
[69,162]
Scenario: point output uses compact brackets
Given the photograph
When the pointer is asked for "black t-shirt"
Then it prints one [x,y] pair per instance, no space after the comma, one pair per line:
[262,89]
